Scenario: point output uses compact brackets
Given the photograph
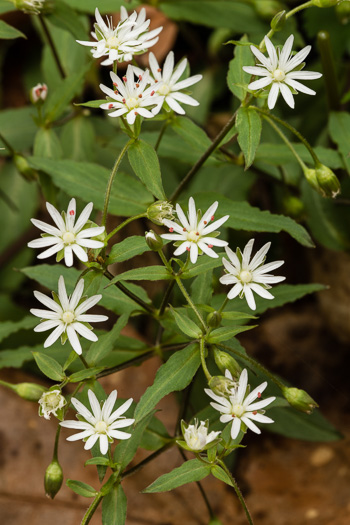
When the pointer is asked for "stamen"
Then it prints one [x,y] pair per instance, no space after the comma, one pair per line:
[125,79]
[210,245]
[115,84]
[136,113]
[71,212]
[259,395]
[184,229]
[159,69]
[205,222]
[171,230]
[188,248]
[140,78]
[197,233]
[124,101]
[212,218]
[152,93]
[110,106]
[140,95]
[137,85]
[255,412]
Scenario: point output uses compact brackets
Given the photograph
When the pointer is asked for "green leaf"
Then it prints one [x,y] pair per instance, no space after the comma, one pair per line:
[105,6]
[83,489]
[202,265]
[220,474]
[236,77]
[106,343]
[85,374]
[225,333]
[202,288]
[126,449]
[185,324]
[128,196]
[8,32]
[339,129]
[174,375]
[235,316]
[128,248]
[78,140]
[49,366]
[114,506]
[191,133]
[47,144]
[66,18]
[192,470]
[248,123]
[18,127]
[279,154]
[91,103]
[98,461]
[9,327]
[149,273]
[144,161]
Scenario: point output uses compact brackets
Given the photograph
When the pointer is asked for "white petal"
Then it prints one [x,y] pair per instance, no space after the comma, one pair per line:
[304,75]
[103,444]
[179,69]
[261,291]
[254,393]
[183,98]
[236,290]
[236,427]
[62,294]
[47,325]
[122,423]
[261,404]
[74,340]
[91,441]
[207,250]
[264,61]
[80,252]
[83,218]
[299,87]
[214,225]
[187,82]
[182,217]
[95,405]
[88,243]
[181,249]
[255,70]
[116,434]
[50,303]
[117,413]
[250,424]
[193,252]
[214,241]
[271,101]
[175,106]
[249,297]
[83,411]
[271,52]
[54,336]
[43,242]
[233,257]
[287,95]
[47,228]
[226,418]
[45,314]
[87,304]
[56,217]
[77,425]
[90,318]
[76,296]
[228,279]
[108,405]
[80,435]
[286,51]
[51,251]
[168,67]
[268,267]
[297,59]
[84,331]
[261,418]
[259,256]
[68,256]
[260,84]
[247,252]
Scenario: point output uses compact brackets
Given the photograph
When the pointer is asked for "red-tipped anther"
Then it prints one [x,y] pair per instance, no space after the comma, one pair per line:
[205,222]
[184,229]
[140,95]
[136,113]
[71,212]
[115,84]
[125,79]
[259,395]
[188,248]
[137,85]
[152,93]
[255,412]
[140,78]
[212,218]
[38,92]
[210,245]
[171,230]
[156,81]
[197,233]
[124,101]
[110,106]
[159,69]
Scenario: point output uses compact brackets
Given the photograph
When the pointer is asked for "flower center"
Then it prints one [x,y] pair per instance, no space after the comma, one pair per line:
[238,410]
[68,237]
[193,236]
[245,276]
[52,401]
[113,42]
[164,89]
[68,317]
[279,75]
[132,103]
[101,427]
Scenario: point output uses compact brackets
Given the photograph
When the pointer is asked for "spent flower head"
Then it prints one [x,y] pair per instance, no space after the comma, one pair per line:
[160,210]
[31,7]
[51,402]
[249,276]
[67,235]
[197,437]
[281,72]
[101,423]
[192,232]
[67,315]
[239,406]
[130,37]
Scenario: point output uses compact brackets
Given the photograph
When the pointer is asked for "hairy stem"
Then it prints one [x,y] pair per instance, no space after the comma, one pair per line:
[123,224]
[91,510]
[52,46]
[237,490]
[204,364]
[190,302]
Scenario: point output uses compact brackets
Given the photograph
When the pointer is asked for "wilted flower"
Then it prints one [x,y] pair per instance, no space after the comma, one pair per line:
[160,210]
[101,424]
[249,277]
[121,43]
[31,7]
[280,72]
[197,437]
[238,408]
[67,235]
[66,315]
[192,233]
[50,402]
[38,93]
[130,97]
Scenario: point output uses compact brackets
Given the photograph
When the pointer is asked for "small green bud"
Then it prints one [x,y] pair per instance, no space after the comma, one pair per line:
[299,399]
[53,479]
[325,3]
[160,210]
[327,181]
[153,240]
[23,167]
[221,385]
[214,319]
[225,362]
[310,175]
[30,391]
[278,21]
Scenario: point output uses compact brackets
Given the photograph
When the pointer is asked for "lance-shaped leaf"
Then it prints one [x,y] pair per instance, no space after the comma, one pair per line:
[186,325]
[83,489]
[248,124]
[126,450]
[225,333]
[49,366]
[128,248]
[105,343]
[85,374]
[145,163]
[8,32]
[192,470]
[237,79]
[220,474]
[114,506]
[149,273]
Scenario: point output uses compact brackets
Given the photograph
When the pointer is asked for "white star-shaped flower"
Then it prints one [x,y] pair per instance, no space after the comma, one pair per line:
[280,73]
[67,315]
[130,97]
[130,37]
[197,437]
[67,235]
[249,277]
[239,408]
[193,233]
[102,423]
[169,88]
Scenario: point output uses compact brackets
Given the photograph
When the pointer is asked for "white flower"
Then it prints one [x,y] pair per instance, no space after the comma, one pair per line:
[67,316]
[130,97]
[67,235]
[192,233]
[50,402]
[169,88]
[32,7]
[280,72]
[197,437]
[240,409]
[38,92]
[249,277]
[121,43]
[101,424]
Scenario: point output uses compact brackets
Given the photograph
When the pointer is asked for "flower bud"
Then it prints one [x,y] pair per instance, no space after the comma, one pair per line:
[310,175]
[221,385]
[31,7]
[23,167]
[299,399]
[153,240]
[53,479]
[38,94]
[160,210]
[214,319]
[325,3]
[51,402]
[29,391]
[278,21]
[226,362]
[327,181]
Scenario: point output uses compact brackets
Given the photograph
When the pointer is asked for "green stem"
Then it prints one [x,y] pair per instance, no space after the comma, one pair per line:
[237,490]
[160,136]
[91,510]
[329,73]
[223,305]
[130,294]
[52,46]
[299,8]
[228,126]
[161,311]
[111,179]
[204,364]
[149,458]
[165,261]
[123,224]
[55,448]
[190,302]
[83,360]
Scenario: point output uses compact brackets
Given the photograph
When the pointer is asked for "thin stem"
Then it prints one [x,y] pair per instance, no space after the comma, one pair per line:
[57,438]
[223,305]
[83,360]
[160,136]
[299,8]
[147,460]
[52,46]
[237,490]
[204,364]
[130,294]
[123,224]
[228,126]
[111,179]
[190,302]
[165,261]
[161,310]
[329,73]
[286,141]
[90,512]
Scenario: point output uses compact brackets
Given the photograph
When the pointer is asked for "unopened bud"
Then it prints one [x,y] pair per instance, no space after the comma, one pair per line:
[160,210]
[325,3]
[38,94]
[153,240]
[28,391]
[278,21]
[225,362]
[214,319]
[327,181]
[23,167]
[53,479]
[221,385]
[299,399]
